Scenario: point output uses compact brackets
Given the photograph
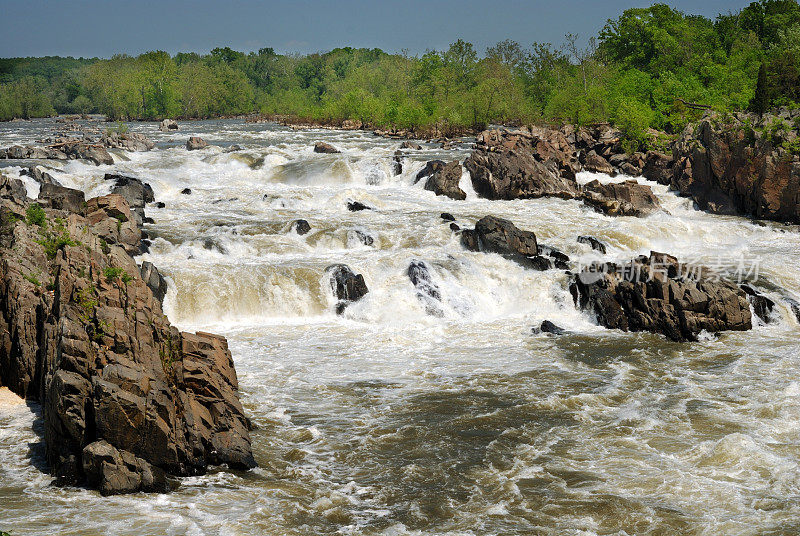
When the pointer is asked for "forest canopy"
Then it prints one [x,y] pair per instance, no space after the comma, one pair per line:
[640,71]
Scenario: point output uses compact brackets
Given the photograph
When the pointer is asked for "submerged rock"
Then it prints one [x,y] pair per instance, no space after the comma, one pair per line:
[356,235]
[186,191]
[548,327]
[300,227]
[650,294]
[446,216]
[195,142]
[427,291]
[762,306]
[593,243]
[356,206]
[326,148]
[411,145]
[397,163]
[347,286]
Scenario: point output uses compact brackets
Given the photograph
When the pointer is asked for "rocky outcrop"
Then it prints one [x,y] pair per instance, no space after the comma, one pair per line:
[593,243]
[428,292]
[40,175]
[168,125]
[596,163]
[523,164]
[655,294]
[740,165]
[322,147]
[128,141]
[627,198]
[195,143]
[443,179]
[125,396]
[411,145]
[347,286]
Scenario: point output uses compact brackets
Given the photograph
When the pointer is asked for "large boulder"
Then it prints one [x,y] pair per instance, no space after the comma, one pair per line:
[627,198]
[168,125]
[62,198]
[136,193]
[322,147]
[523,165]
[444,179]
[346,285]
[658,167]
[195,143]
[596,163]
[655,294]
[113,472]
[498,235]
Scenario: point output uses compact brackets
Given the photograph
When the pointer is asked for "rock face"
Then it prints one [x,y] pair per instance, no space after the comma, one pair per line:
[598,164]
[728,167]
[322,147]
[125,396]
[523,164]
[593,243]
[443,179]
[195,143]
[650,294]
[168,125]
[627,198]
[347,286]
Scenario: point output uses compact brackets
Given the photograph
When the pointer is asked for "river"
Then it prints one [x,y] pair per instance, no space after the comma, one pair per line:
[389,420]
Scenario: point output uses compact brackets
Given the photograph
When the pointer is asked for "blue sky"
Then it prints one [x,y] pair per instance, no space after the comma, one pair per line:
[103,27]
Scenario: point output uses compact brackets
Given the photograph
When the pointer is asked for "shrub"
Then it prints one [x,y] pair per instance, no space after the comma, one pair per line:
[36,216]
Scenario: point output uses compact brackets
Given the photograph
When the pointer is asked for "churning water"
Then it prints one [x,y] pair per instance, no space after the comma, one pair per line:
[390,420]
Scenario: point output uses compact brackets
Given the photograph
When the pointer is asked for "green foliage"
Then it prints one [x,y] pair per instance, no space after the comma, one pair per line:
[53,241]
[646,65]
[32,279]
[111,273]
[35,215]
[87,302]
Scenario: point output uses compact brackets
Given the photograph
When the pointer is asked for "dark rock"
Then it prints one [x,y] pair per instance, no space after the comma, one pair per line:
[12,188]
[649,294]
[427,291]
[98,155]
[327,148]
[360,236]
[113,472]
[61,198]
[411,145]
[39,175]
[446,216]
[558,258]
[454,227]
[195,142]
[159,204]
[548,327]
[397,163]
[598,164]
[444,181]
[136,193]
[355,206]
[168,125]
[658,167]
[300,227]
[762,306]
[347,286]
[154,280]
[186,191]
[497,235]
[627,198]
[592,242]
[431,167]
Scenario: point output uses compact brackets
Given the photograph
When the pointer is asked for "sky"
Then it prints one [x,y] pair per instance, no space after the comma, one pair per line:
[100,28]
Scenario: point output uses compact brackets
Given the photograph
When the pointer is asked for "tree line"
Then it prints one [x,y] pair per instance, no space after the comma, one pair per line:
[653,67]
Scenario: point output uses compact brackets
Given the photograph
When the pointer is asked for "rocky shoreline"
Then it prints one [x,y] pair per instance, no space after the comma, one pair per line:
[127,400]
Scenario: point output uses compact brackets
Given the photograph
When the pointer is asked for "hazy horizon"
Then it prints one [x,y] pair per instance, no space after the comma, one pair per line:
[93,28]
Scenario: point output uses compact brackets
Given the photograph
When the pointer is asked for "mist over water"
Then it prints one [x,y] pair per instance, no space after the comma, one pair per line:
[390,420]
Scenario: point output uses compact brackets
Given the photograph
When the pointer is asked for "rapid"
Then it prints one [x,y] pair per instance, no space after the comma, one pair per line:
[389,420]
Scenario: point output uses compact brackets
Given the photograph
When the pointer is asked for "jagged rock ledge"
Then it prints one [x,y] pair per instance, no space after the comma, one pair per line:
[126,398]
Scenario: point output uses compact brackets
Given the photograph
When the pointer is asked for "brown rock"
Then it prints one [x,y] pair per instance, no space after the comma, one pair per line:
[627,198]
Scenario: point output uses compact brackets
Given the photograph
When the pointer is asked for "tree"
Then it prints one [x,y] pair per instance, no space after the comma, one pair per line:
[760,100]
